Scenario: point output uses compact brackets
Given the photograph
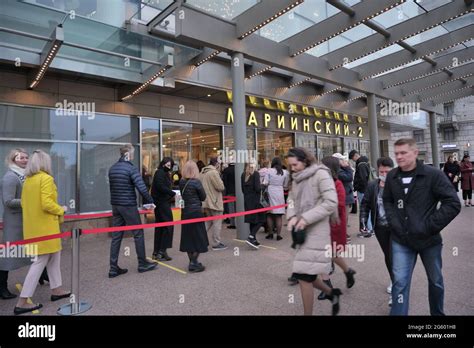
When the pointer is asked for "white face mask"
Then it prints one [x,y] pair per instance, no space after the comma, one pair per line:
[382,178]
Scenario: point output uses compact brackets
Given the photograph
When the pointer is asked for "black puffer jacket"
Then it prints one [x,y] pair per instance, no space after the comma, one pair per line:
[124,177]
[414,218]
[228,177]
[192,193]
[361,176]
[161,188]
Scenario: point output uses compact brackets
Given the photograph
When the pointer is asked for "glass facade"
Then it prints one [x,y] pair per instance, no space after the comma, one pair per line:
[83,147]
[273,144]
[186,141]
[328,146]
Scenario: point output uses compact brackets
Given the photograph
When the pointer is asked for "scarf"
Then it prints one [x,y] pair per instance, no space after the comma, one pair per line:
[18,171]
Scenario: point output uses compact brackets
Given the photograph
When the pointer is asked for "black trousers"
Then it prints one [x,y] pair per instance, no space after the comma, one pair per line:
[383,235]
[3,280]
[163,235]
[126,216]
[254,228]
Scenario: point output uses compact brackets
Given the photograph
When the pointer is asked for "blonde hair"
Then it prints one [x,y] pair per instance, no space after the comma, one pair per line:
[40,161]
[190,170]
[249,170]
[10,159]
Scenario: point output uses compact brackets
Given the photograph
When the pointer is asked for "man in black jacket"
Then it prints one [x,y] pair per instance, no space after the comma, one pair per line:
[372,208]
[411,195]
[361,180]
[124,177]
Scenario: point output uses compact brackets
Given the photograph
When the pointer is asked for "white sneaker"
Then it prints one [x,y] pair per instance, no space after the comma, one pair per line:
[389,288]
[390,301]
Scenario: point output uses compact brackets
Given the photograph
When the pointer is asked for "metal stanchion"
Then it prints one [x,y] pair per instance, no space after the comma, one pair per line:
[76,306]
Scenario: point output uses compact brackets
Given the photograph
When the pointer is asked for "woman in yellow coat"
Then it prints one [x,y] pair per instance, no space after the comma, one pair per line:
[41,217]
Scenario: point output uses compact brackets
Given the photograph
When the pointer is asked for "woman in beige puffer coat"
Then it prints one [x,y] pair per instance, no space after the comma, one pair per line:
[312,201]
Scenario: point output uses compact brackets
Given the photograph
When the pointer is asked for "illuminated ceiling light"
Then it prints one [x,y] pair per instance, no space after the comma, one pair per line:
[260,72]
[299,83]
[49,52]
[280,13]
[215,53]
[149,81]
[344,30]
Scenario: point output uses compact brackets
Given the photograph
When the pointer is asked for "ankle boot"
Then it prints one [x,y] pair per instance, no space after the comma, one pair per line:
[334,297]
[322,296]
[350,278]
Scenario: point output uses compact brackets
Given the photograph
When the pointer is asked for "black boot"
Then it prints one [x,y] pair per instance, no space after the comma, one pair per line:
[334,297]
[162,255]
[350,278]
[322,296]
[5,294]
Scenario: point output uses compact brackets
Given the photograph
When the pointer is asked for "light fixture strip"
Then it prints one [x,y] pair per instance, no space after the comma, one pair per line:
[145,85]
[270,19]
[348,28]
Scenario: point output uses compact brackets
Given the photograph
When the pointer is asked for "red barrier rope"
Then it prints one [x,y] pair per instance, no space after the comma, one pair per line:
[142,226]
[228,199]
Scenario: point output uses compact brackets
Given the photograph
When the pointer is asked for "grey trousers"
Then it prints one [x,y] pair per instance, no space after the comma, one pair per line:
[126,216]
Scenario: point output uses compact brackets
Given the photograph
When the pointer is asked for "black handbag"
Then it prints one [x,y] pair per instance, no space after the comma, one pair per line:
[298,237]
[264,199]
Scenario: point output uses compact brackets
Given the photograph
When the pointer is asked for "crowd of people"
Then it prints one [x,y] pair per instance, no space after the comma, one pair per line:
[397,205]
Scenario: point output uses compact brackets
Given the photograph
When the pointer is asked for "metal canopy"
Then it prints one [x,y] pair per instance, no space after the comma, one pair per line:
[202,29]
[431,64]
[424,69]
[425,84]
[423,49]
[398,33]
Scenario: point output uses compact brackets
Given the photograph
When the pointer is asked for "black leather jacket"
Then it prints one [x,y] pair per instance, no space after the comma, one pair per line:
[414,218]
[192,193]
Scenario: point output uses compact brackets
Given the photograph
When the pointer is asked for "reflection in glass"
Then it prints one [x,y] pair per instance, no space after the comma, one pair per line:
[227,9]
[295,21]
[63,160]
[229,138]
[117,129]
[273,144]
[184,141]
[307,141]
[150,144]
[365,148]
[328,146]
[350,144]
[35,123]
[96,161]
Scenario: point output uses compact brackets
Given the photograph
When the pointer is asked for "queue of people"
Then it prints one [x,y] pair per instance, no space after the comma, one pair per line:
[319,198]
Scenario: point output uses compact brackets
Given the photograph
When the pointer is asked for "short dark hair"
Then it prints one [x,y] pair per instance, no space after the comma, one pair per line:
[213,161]
[352,153]
[406,141]
[385,162]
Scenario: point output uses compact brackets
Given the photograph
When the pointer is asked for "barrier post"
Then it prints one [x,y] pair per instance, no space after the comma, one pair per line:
[76,306]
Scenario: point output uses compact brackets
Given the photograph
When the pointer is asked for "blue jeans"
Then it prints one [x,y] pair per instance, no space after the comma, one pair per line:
[360,196]
[403,263]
